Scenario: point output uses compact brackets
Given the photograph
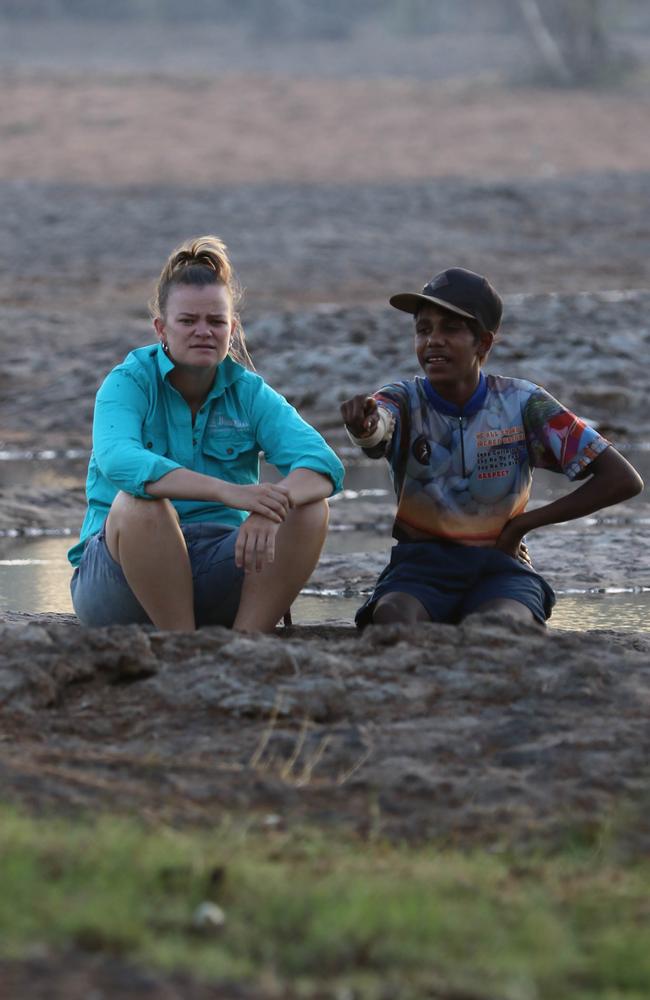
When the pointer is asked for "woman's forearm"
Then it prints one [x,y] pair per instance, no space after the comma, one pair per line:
[306,486]
[183,484]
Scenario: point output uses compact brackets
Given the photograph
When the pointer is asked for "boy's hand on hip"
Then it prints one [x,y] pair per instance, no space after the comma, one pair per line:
[510,541]
[255,547]
[360,415]
[523,555]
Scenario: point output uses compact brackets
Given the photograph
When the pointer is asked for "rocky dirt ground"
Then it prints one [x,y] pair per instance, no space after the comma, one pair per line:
[474,734]
[331,195]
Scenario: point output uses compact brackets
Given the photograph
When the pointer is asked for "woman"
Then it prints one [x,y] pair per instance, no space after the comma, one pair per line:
[177,432]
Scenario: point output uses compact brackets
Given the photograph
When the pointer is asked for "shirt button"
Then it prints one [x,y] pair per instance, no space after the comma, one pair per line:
[229,451]
[149,444]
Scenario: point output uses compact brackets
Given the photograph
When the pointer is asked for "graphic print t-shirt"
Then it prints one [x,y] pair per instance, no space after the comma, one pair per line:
[461,474]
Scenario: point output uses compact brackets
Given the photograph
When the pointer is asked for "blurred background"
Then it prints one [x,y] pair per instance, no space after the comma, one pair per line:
[308,134]
[344,150]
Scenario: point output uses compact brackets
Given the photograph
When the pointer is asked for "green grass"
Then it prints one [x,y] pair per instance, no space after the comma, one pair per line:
[311,910]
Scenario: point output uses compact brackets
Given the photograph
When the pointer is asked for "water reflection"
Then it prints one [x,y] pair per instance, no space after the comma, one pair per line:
[623,612]
[35,578]
[35,574]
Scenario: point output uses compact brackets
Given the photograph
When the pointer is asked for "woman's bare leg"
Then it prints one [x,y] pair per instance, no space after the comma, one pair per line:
[145,538]
[268,594]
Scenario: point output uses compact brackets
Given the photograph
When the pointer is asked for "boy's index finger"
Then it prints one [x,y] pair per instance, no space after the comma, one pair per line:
[370,413]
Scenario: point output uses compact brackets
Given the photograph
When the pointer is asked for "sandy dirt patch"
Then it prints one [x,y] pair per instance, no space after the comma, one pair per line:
[242,129]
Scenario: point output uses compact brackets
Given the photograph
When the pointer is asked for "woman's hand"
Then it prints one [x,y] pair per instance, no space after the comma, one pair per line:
[271,500]
[360,415]
[255,545]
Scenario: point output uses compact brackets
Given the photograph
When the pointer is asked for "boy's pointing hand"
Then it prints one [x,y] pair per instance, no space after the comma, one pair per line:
[360,415]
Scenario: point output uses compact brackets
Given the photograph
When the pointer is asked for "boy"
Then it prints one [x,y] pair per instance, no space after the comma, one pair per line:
[461,447]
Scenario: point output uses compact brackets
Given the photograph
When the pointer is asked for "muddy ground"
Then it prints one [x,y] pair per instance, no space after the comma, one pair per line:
[332,196]
[473,734]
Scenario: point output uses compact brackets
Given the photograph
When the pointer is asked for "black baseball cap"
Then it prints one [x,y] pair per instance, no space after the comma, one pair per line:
[460,291]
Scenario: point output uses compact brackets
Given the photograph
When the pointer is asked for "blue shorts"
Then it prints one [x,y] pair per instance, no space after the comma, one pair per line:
[453,580]
[101,595]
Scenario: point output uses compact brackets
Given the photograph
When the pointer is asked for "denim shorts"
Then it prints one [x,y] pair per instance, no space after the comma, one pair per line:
[101,595]
[453,580]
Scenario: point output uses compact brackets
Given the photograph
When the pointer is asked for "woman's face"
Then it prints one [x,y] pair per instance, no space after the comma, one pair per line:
[198,325]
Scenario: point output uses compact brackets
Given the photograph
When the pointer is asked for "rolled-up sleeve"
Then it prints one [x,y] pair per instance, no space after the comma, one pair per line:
[288,441]
[120,410]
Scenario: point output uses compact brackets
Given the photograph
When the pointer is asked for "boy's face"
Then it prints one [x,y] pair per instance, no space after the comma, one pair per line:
[449,353]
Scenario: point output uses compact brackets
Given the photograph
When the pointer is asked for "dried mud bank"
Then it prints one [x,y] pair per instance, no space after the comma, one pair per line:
[88,247]
[585,348]
[484,733]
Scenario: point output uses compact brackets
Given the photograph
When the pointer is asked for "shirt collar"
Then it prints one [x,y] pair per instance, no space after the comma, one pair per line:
[227,372]
[474,403]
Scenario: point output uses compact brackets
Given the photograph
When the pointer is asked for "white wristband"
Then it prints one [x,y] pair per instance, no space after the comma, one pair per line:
[383,430]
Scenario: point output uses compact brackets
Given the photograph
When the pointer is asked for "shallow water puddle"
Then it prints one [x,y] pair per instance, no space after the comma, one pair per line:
[629,612]
[35,574]
[35,578]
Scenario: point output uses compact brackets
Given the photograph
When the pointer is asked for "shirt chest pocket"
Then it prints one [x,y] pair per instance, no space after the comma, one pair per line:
[234,456]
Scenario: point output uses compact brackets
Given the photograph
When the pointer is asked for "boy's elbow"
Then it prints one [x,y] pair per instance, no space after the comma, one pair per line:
[623,480]
[637,485]
[628,485]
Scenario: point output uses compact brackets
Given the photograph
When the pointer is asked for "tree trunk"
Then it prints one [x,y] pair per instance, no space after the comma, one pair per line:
[548,48]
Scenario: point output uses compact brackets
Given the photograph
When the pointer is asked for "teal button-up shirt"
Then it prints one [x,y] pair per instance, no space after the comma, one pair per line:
[143,429]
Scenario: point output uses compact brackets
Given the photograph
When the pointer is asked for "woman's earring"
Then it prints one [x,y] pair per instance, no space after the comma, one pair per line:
[165,346]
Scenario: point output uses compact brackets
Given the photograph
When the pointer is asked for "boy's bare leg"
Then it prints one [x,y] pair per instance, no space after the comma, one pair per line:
[506,606]
[399,607]
[145,538]
[268,594]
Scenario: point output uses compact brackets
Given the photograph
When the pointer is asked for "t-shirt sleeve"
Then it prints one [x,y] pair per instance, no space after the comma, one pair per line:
[118,447]
[557,439]
[288,441]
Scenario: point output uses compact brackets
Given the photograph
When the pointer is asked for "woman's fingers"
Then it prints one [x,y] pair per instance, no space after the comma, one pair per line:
[273,501]
[267,554]
[268,508]
[269,499]
[255,546]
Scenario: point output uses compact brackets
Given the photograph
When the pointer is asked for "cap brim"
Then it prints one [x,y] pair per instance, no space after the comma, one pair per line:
[410,302]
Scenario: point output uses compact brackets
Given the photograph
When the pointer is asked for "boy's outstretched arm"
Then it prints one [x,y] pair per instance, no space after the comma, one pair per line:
[360,415]
[611,480]
[369,425]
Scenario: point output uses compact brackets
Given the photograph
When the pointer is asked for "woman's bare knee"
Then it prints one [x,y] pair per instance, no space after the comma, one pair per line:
[129,513]
[127,508]
[313,515]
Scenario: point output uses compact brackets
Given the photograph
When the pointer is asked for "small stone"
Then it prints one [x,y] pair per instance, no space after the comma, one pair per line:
[208,917]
